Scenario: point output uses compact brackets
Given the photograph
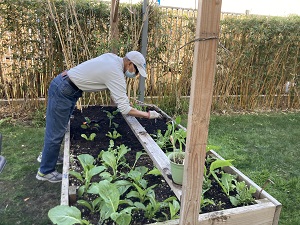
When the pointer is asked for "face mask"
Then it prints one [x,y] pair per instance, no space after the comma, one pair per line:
[129,74]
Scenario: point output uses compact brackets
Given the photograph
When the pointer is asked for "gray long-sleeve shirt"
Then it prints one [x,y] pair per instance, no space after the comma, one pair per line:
[100,73]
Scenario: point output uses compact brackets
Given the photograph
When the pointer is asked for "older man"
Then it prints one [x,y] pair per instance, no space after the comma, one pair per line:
[103,72]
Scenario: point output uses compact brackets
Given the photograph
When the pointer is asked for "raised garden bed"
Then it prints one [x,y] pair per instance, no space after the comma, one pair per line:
[266,209]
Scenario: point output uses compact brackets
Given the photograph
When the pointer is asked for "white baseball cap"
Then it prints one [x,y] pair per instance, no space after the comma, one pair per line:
[138,59]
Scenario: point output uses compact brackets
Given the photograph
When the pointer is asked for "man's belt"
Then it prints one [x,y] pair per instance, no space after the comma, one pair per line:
[65,76]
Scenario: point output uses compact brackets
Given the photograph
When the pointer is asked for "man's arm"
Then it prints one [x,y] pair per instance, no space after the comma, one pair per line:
[149,115]
[137,113]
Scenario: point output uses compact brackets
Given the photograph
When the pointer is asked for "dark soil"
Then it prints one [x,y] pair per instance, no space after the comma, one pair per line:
[101,142]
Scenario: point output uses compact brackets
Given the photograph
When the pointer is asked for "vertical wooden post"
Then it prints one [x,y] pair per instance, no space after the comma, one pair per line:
[144,47]
[206,43]
[114,32]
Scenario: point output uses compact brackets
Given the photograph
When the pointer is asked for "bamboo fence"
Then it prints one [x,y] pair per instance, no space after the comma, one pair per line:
[257,61]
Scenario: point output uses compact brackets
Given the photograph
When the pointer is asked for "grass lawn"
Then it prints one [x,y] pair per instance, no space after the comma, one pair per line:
[264,146]
[24,200]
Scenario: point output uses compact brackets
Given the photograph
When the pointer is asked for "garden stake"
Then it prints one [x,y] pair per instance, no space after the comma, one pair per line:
[264,186]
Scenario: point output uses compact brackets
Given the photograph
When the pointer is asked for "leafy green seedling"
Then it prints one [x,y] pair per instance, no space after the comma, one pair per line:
[114,158]
[89,124]
[110,202]
[142,192]
[113,135]
[92,206]
[244,194]
[89,170]
[110,116]
[226,182]
[90,138]
[173,206]
[86,124]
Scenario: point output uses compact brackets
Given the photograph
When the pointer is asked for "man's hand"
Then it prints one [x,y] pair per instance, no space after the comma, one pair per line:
[154,115]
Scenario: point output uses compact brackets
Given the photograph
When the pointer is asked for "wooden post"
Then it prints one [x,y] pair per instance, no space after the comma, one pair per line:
[114,32]
[206,43]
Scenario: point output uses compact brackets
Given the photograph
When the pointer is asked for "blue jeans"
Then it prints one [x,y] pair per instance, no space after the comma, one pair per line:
[62,98]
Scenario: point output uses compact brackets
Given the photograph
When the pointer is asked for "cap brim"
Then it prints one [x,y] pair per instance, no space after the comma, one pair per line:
[142,71]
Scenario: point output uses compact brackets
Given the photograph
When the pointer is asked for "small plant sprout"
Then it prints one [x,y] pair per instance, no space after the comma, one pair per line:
[86,123]
[113,135]
[110,116]
[90,124]
[90,138]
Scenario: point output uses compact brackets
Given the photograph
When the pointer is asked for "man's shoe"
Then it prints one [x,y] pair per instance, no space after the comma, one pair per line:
[60,159]
[53,177]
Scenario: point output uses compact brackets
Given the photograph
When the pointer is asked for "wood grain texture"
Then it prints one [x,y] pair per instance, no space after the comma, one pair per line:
[204,64]
[259,214]
[64,198]
[158,157]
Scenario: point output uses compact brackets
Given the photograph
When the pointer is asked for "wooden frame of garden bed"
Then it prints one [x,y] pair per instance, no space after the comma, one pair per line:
[265,211]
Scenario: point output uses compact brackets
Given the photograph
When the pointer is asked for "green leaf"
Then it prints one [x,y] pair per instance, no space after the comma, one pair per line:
[155,172]
[65,215]
[123,186]
[126,201]
[85,160]
[227,180]
[233,200]
[76,174]
[122,218]
[95,170]
[133,194]
[84,126]
[106,176]
[92,136]
[87,120]
[86,204]
[81,190]
[220,163]
[140,205]
[84,136]
[96,202]
[178,120]
[109,159]
[108,192]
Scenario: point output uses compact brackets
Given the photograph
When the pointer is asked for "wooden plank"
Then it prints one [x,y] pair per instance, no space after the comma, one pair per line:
[261,213]
[158,157]
[207,32]
[64,199]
